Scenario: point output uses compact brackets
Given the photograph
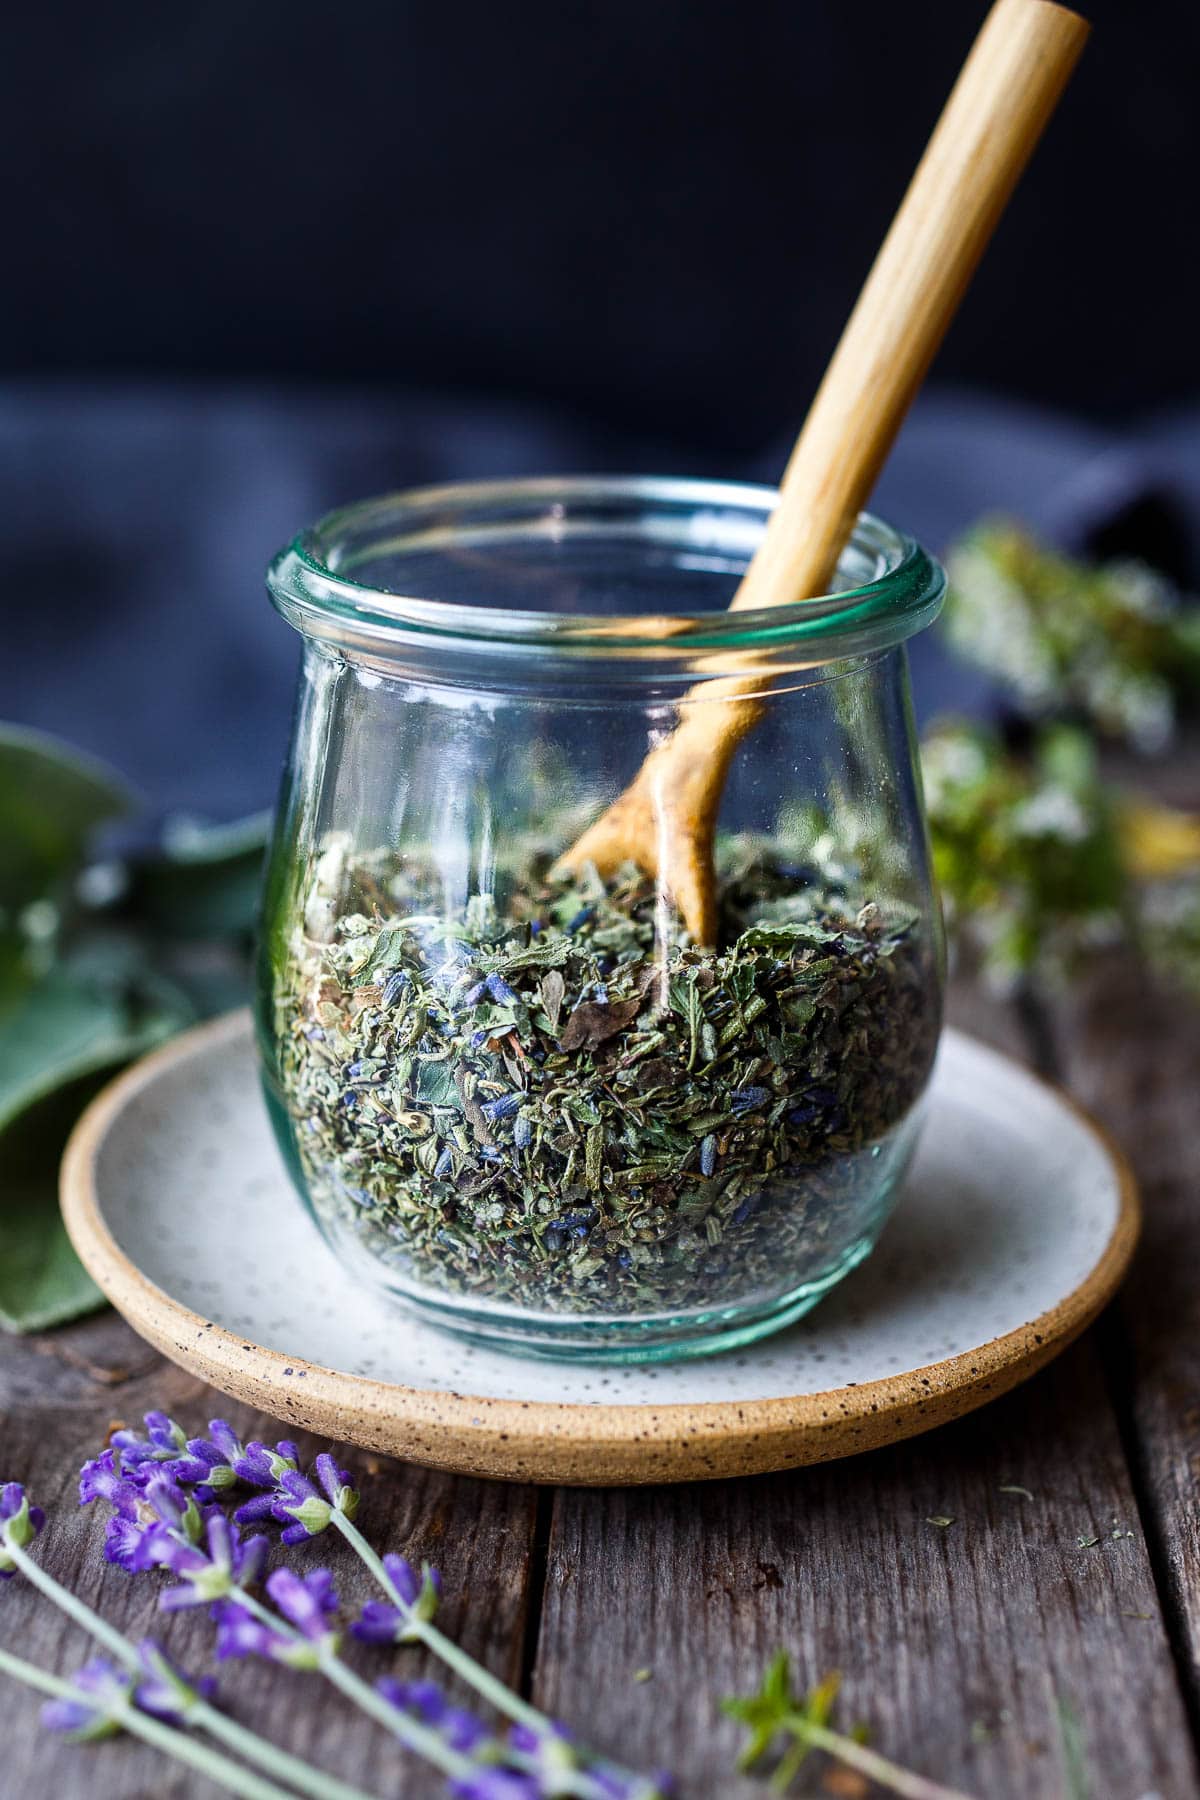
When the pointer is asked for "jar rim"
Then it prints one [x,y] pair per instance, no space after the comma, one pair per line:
[310,583]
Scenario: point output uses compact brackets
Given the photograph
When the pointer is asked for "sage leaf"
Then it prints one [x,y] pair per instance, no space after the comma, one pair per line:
[52,799]
[204,881]
[42,1281]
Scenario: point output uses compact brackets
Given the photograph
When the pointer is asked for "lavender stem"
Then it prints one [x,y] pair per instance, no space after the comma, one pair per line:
[301,1775]
[166,1738]
[575,1782]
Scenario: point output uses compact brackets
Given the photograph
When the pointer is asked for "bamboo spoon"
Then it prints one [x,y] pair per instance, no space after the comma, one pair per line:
[1010,84]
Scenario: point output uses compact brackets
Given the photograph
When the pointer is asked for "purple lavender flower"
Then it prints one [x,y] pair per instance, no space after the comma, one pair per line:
[497,1784]
[308,1603]
[134,1518]
[748,1099]
[300,1505]
[460,1729]
[100,1479]
[163,1442]
[259,1466]
[84,1722]
[141,1512]
[503,1107]
[210,1461]
[239,1633]
[383,1622]
[208,1570]
[163,1690]
[19,1523]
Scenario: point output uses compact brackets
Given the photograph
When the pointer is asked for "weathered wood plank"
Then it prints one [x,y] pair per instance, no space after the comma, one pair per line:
[970,1650]
[1132,1054]
[56,1405]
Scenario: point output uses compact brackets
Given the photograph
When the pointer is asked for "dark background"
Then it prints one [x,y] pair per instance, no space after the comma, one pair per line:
[653,211]
[266,258]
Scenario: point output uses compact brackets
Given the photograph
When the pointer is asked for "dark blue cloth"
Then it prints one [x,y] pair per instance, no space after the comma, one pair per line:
[137,523]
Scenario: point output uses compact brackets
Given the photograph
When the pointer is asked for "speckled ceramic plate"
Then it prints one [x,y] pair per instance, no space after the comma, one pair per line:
[1015,1227]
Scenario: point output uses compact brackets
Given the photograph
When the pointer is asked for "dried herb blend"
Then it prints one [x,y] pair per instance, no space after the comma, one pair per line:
[556,1102]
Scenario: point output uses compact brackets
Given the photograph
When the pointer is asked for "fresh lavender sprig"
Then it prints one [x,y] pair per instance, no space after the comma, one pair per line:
[206,1551]
[164,1441]
[160,1517]
[303,1507]
[302,1633]
[211,1465]
[19,1525]
[406,1617]
[160,1687]
[100,1702]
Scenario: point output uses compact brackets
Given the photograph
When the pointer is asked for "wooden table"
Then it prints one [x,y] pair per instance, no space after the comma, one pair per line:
[1042,1647]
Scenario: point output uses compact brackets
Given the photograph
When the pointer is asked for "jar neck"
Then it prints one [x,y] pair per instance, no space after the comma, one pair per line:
[625,580]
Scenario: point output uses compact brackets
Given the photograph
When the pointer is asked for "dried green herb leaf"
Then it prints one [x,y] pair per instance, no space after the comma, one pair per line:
[595,1021]
[681,1140]
[553,990]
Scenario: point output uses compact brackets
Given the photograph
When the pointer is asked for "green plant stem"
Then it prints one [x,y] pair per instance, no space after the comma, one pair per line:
[410,1732]
[166,1738]
[869,1763]
[197,1711]
[576,1782]
[487,1685]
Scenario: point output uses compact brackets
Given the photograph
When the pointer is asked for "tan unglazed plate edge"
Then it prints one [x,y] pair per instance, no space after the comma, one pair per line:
[562,1442]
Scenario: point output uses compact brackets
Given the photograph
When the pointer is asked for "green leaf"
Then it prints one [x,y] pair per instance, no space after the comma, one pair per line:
[785,934]
[435,1085]
[204,882]
[51,801]
[66,1033]
[42,1281]
[99,1008]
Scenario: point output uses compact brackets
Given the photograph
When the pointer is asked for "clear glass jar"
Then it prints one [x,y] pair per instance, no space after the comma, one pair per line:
[525,1102]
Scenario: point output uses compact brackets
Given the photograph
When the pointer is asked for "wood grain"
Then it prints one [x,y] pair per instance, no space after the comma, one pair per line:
[963,1647]
[1150,1091]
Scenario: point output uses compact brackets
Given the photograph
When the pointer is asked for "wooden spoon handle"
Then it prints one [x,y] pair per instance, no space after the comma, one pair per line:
[1020,62]
[1007,90]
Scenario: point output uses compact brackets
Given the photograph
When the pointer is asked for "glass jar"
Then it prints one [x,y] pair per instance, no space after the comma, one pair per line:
[521,1097]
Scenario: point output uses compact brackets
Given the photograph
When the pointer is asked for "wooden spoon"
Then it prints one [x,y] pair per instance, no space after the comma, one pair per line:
[1010,84]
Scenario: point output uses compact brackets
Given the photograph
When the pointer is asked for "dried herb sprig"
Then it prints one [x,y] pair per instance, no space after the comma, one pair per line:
[1113,644]
[774,1713]
[1040,861]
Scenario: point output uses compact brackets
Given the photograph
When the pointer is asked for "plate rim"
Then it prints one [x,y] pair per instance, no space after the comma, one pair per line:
[569,1442]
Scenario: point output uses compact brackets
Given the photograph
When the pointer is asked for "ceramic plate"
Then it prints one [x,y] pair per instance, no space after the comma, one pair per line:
[1014,1228]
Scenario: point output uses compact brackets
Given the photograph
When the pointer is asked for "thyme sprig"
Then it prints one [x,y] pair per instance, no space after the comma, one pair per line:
[773,1713]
